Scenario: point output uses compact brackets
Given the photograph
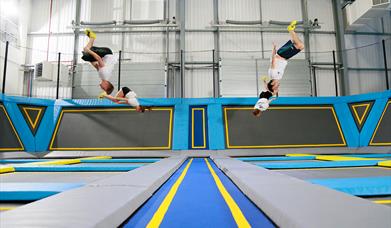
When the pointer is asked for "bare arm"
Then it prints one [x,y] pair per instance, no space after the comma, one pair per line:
[121,99]
[113,99]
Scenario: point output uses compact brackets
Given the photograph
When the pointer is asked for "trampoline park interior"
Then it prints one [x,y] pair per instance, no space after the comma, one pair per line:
[320,156]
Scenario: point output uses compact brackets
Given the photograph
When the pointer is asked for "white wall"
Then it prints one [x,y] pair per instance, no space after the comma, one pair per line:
[143,47]
[16,52]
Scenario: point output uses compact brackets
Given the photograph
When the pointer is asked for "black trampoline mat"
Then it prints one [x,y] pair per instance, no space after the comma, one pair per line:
[282,126]
[8,137]
[113,129]
[382,135]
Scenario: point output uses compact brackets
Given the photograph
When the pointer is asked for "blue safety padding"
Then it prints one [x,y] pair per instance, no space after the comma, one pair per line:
[33,191]
[146,160]
[181,116]
[216,127]
[372,120]
[70,168]
[144,214]
[325,164]
[253,214]
[181,127]
[107,165]
[277,158]
[368,155]
[48,124]
[348,126]
[7,161]
[368,186]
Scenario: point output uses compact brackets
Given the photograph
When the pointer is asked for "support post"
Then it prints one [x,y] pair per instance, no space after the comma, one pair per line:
[182,75]
[5,65]
[58,74]
[76,42]
[385,64]
[335,74]
[119,69]
[214,74]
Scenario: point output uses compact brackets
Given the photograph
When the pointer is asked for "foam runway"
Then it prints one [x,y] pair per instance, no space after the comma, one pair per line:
[199,195]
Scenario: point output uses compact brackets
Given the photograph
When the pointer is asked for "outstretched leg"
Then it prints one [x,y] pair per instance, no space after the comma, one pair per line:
[92,37]
[296,41]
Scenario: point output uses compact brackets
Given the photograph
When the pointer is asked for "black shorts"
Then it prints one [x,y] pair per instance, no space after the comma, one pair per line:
[265,94]
[125,90]
[288,50]
[101,51]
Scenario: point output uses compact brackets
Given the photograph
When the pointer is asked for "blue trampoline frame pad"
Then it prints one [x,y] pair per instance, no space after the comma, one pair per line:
[368,186]
[33,191]
[323,164]
[276,158]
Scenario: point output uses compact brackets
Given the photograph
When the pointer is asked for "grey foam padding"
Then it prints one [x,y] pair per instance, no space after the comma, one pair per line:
[360,111]
[282,127]
[8,137]
[104,203]
[383,133]
[121,129]
[54,177]
[338,173]
[291,202]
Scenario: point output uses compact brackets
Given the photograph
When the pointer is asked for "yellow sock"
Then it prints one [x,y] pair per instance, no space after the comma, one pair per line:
[90,33]
[292,26]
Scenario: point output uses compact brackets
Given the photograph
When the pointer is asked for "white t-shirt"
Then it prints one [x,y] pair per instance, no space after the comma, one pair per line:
[107,71]
[132,98]
[278,71]
[262,104]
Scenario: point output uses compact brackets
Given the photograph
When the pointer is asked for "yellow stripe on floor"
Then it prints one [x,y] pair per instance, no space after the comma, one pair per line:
[382,201]
[385,163]
[7,169]
[298,155]
[56,162]
[162,210]
[96,158]
[240,220]
[342,158]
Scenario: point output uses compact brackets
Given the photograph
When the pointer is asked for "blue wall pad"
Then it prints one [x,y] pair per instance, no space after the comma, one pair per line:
[373,186]
[215,122]
[326,164]
[277,158]
[33,191]
[69,168]
[119,160]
